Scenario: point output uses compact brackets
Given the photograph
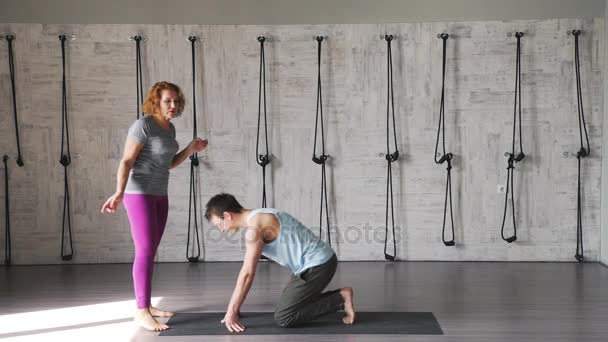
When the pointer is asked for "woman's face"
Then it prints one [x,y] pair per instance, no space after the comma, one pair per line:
[169,102]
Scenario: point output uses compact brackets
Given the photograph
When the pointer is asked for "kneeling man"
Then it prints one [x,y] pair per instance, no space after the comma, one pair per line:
[283,239]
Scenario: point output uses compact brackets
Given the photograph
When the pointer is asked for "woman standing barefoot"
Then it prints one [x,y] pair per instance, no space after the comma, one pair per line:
[142,179]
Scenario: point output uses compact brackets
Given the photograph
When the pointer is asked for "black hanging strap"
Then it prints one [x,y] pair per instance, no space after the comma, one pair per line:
[390,157]
[582,152]
[11,66]
[512,158]
[445,157]
[7,216]
[192,207]
[65,161]
[138,75]
[323,157]
[262,159]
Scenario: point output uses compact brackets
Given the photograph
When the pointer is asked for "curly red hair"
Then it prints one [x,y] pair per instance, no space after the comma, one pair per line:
[152,102]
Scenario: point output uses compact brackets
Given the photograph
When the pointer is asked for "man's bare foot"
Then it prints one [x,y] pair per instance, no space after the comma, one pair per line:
[156,312]
[349,306]
[144,318]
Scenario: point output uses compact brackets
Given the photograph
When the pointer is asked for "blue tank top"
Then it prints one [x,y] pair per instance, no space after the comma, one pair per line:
[296,246]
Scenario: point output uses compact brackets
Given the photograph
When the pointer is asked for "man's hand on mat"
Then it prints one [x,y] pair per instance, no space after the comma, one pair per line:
[112,203]
[198,144]
[231,320]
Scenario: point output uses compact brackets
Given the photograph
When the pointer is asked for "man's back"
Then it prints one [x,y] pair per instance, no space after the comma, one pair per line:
[295,246]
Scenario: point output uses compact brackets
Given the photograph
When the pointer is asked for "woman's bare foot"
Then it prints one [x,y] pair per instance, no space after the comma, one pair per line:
[144,318]
[156,312]
[349,306]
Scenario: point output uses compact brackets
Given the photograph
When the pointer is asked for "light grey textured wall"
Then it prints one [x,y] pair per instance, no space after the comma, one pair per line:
[604,199]
[288,12]
[479,104]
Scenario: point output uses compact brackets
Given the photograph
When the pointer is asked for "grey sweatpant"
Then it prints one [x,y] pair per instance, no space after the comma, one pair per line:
[302,299]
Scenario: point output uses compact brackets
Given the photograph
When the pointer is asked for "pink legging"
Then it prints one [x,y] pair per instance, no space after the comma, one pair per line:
[148,216]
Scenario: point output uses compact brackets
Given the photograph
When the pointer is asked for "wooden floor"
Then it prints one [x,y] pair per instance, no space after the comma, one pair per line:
[473,301]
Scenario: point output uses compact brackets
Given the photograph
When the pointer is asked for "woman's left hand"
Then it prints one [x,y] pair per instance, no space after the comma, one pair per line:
[198,144]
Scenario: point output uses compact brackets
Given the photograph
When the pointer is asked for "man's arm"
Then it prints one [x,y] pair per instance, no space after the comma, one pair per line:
[254,245]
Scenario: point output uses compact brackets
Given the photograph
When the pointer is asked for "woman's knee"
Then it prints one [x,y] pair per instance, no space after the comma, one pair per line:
[145,252]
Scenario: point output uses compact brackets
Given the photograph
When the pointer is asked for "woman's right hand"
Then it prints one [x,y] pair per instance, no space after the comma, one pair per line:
[112,203]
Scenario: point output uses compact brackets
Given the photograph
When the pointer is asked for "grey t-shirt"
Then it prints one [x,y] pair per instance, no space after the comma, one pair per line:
[150,173]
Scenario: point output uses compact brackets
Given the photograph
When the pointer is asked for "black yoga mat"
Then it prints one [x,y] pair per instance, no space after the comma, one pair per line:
[262,323]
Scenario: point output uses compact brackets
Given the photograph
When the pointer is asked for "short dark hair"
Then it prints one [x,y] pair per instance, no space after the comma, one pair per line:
[221,203]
